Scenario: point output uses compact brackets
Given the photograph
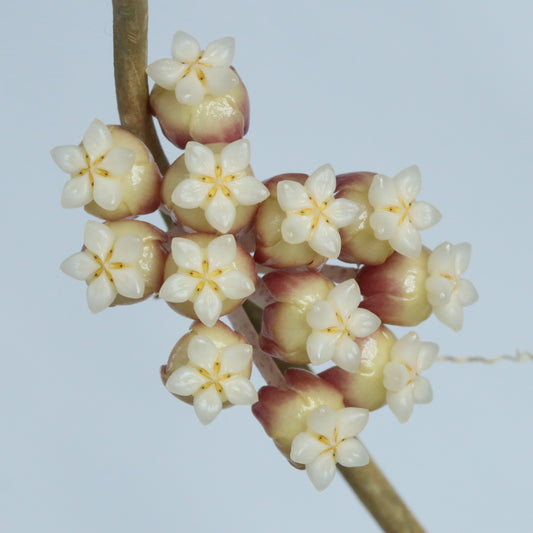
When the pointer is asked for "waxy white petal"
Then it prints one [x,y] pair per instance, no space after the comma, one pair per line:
[395,376]
[363,323]
[107,192]
[325,240]
[208,306]
[406,349]
[98,238]
[248,190]
[350,421]
[401,403]
[235,157]
[185,47]
[467,293]
[187,254]
[322,420]
[185,381]
[239,391]
[407,240]
[235,285]
[221,252]
[345,298]
[305,448]
[342,212]
[235,358]
[450,314]
[80,266]
[178,288]
[166,72]
[320,185]
[422,391]
[322,315]
[202,352]
[292,196]
[427,355]
[199,159]
[118,162]
[70,159]
[189,90]
[219,53]
[127,249]
[207,405]
[384,223]
[382,192]
[439,290]
[347,354]
[461,253]
[100,294]
[408,183]
[322,471]
[441,260]
[129,282]
[77,192]
[219,80]
[295,229]
[352,453]
[190,193]
[424,215]
[97,140]
[220,212]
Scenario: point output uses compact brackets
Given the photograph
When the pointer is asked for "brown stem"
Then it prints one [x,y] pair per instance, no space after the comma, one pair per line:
[130,26]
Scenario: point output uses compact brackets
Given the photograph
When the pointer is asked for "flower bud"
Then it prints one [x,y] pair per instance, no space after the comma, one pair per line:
[283,412]
[271,249]
[396,289]
[285,329]
[359,244]
[365,388]
[224,118]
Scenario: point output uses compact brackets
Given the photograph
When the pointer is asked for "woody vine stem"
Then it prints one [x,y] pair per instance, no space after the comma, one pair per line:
[130,28]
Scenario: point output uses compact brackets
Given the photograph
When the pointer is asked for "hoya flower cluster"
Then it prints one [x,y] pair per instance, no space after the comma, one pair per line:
[226,226]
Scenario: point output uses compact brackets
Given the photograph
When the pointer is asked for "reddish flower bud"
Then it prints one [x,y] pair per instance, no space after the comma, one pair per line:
[283,412]
[365,387]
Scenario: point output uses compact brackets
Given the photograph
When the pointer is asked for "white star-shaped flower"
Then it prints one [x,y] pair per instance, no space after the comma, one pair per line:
[336,323]
[330,439]
[194,73]
[109,266]
[206,277]
[397,217]
[219,183]
[447,292]
[409,357]
[214,376]
[313,214]
[95,168]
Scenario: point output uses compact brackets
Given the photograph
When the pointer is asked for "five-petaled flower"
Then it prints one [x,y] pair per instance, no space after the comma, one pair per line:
[206,277]
[330,439]
[313,213]
[95,167]
[193,73]
[108,264]
[214,376]
[397,217]
[219,183]
[446,291]
[336,323]
[409,357]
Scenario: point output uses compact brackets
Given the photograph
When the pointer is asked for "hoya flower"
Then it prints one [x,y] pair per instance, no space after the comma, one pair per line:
[331,438]
[397,216]
[208,275]
[192,73]
[214,376]
[313,215]
[109,265]
[446,291]
[336,323]
[409,357]
[95,167]
[218,183]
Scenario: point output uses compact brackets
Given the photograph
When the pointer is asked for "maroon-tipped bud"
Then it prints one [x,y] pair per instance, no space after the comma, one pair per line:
[365,387]
[396,289]
[283,412]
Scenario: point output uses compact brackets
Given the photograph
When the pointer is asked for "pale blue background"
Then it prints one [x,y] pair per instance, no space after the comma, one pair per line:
[92,441]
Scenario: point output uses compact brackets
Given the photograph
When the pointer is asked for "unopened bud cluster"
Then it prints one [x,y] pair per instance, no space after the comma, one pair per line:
[226,226]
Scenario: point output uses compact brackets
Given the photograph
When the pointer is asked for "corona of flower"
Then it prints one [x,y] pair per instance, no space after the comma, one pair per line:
[193,73]
[397,217]
[336,322]
[95,168]
[219,183]
[409,357]
[206,276]
[313,214]
[446,291]
[330,439]
[108,264]
[214,376]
